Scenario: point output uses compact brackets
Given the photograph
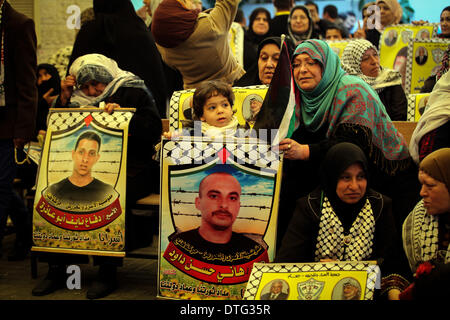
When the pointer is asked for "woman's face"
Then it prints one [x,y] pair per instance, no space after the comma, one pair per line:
[43,75]
[299,21]
[436,197]
[370,63]
[267,62]
[93,88]
[352,184]
[307,72]
[261,24]
[445,22]
[386,14]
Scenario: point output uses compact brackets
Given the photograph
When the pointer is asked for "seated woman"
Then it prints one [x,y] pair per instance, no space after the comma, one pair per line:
[268,55]
[196,43]
[335,107]
[364,228]
[301,25]
[432,131]
[94,79]
[360,58]
[258,30]
[426,231]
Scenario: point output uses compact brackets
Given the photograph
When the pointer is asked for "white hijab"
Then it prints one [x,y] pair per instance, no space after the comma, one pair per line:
[437,113]
[103,69]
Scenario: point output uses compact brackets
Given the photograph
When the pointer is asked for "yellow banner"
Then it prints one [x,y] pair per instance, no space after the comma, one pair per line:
[313,281]
[424,59]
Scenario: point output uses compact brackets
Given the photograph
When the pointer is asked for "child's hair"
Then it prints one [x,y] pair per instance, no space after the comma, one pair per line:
[207,90]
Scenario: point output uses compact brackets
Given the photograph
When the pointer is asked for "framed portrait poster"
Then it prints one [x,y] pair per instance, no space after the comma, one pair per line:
[218,215]
[181,113]
[423,60]
[79,205]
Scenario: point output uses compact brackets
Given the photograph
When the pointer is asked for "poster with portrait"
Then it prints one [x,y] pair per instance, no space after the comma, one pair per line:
[79,205]
[236,40]
[338,46]
[423,60]
[245,99]
[338,280]
[394,40]
[416,105]
[218,215]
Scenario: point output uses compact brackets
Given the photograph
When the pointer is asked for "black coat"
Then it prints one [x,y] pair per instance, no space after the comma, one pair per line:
[299,242]
[394,99]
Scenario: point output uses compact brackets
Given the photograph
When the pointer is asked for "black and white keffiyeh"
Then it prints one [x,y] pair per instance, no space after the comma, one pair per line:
[421,237]
[333,243]
[351,62]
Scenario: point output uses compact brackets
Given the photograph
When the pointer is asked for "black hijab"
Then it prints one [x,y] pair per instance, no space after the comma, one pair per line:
[53,83]
[337,160]
[251,77]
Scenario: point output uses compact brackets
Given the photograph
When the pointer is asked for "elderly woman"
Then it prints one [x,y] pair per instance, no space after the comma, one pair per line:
[361,218]
[301,25]
[93,80]
[333,107]
[258,30]
[426,231]
[432,131]
[196,43]
[360,58]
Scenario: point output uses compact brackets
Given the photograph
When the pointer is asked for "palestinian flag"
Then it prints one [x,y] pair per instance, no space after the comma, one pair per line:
[278,108]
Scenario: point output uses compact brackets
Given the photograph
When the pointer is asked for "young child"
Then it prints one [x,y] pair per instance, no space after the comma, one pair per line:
[213,106]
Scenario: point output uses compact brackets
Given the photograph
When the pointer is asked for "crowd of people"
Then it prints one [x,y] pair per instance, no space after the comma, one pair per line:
[387,200]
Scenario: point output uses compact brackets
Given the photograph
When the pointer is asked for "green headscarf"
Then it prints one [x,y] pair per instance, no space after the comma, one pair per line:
[316,103]
[340,98]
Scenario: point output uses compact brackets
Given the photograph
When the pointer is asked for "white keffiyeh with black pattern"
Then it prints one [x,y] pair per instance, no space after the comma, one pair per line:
[421,237]
[351,62]
[333,243]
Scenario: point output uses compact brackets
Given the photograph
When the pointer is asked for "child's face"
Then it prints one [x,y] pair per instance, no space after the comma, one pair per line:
[217,111]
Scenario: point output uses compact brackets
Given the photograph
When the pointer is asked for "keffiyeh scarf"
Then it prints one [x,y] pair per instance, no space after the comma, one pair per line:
[102,69]
[333,243]
[421,236]
[351,63]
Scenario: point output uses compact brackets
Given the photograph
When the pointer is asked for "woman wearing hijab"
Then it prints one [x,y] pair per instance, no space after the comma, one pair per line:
[49,87]
[258,30]
[390,13]
[300,25]
[360,58]
[196,43]
[360,219]
[426,231]
[119,34]
[332,107]
[93,80]
[432,131]
[268,54]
